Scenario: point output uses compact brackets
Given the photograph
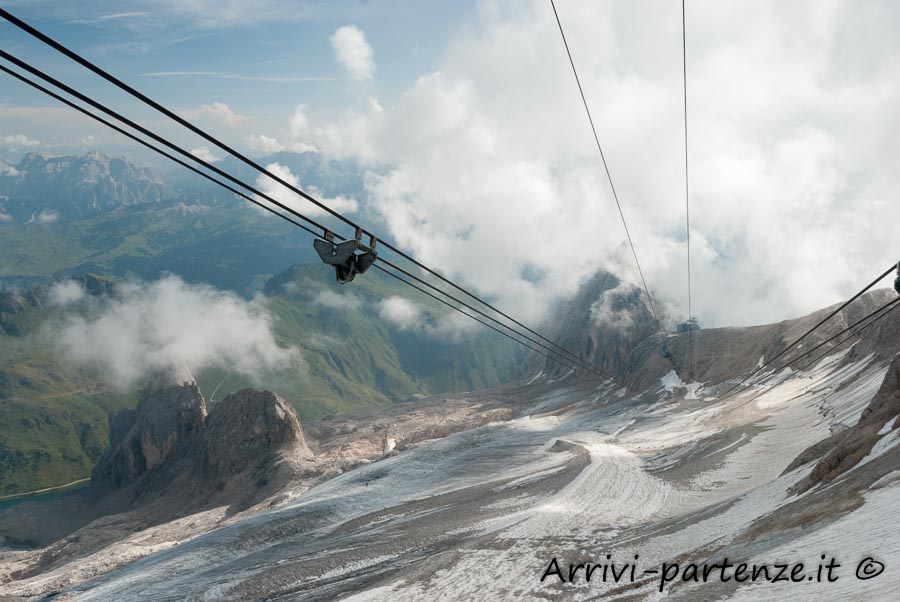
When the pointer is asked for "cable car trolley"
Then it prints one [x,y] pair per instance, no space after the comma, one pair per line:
[897,279]
[349,257]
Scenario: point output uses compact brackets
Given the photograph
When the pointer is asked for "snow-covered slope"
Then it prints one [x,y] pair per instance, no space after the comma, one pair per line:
[799,468]
[584,474]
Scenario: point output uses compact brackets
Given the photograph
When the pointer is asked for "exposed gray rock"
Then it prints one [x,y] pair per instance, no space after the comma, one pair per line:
[245,427]
[169,416]
[611,326]
[604,323]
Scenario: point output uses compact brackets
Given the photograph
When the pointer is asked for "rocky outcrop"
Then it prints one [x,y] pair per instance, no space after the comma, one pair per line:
[97,285]
[841,452]
[245,427]
[168,458]
[250,441]
[604,323]
[169,417]
[253,445]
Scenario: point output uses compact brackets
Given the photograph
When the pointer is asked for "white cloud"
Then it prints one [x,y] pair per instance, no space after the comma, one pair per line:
[18,141]
[151,326]
[287,197]
[614,307]
[409,316]
[488,170]
[5,217]
[263,143]
[269,145]
[400,312]
[353,52]
[217,111]
[204,154]
[112,17]
[89,140]
[333,300]
[66,292]
[44,217]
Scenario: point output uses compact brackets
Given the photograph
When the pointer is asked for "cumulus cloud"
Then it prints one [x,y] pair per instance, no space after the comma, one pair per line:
[400,312]
[291,199]
[5,217]
[44,217]
[204,154]
[266,144]
[487,168]
[408,316]
[353,52]
[218,111]
[615,306]
[152,326]
[18,141]
[269,145]
[65,293]
[333,300]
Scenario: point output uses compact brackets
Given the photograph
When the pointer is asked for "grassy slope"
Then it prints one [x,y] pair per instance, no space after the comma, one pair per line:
[228,247]
[54,420]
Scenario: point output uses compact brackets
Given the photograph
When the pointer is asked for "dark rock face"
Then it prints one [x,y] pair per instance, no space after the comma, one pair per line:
[170,443]
[97,285]
[170,414]
[603,323]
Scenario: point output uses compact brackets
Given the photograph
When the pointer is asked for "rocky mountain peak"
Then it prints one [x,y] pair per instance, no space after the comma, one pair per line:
[170,413]
[247,427]
[169,439]
[602,323]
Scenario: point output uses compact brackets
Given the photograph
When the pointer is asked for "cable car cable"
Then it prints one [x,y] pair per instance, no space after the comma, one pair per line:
[811,330]
[180,120]
[692,351]
[606,167]
[565,360]
[884,310]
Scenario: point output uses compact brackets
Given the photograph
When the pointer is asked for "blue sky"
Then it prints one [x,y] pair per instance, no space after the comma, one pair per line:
[259,58]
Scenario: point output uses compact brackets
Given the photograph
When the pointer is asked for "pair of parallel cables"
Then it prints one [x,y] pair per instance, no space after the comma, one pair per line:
[876,315]
[692,354]
[488,317]
[544,346]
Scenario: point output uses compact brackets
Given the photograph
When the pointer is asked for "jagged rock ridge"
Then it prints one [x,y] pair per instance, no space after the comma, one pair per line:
[46,188]
[229,455]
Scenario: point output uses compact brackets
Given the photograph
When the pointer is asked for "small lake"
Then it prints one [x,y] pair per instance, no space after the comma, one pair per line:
[43,497]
